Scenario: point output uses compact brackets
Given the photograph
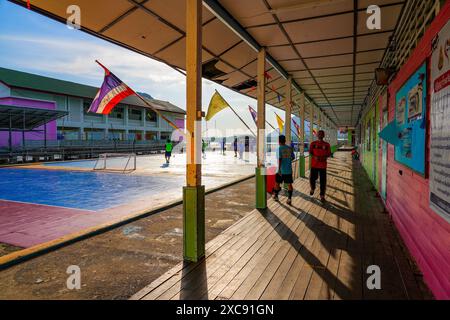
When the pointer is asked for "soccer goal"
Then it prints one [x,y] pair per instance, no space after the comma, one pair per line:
[116,162]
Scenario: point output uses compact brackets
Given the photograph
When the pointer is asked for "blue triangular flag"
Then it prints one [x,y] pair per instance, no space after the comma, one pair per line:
[390,133]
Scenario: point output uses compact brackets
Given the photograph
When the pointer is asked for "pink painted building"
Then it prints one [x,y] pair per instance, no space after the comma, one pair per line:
[38,134]
[426,234]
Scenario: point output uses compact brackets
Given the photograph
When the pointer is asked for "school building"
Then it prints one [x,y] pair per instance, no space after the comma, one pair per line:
[130,120]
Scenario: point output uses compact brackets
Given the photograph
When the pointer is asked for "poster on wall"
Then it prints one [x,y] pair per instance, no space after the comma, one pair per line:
[410,115]
[440,124]
[400,115]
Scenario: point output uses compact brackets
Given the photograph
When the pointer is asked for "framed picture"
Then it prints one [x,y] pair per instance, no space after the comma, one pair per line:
[410,116]
[400,111]
[415,102]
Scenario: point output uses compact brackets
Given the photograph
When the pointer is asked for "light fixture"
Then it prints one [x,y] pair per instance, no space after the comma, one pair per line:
[383,75]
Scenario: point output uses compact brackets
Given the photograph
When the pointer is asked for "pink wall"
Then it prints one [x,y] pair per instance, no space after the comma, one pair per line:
[426,234]
[179,123]
[17,136]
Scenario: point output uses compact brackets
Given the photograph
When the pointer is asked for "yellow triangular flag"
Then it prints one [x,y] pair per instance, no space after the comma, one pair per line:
[280,123]
[216,105]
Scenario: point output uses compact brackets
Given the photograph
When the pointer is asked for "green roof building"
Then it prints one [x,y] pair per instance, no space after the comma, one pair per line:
[130,120]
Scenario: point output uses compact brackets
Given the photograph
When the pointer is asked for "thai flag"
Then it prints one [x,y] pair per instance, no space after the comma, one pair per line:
[253,113]
[296,127]
[112,91]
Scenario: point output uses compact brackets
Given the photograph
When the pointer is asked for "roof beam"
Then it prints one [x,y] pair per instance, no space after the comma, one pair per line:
[216,8]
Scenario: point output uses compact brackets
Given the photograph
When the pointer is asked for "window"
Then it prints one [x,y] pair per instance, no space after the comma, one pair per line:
[117,112]
[94,134]
[150,116]
[86,105]
[68,133]
[135,114]
[151,136]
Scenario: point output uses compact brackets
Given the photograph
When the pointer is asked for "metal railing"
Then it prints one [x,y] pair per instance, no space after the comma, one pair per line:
[36,150]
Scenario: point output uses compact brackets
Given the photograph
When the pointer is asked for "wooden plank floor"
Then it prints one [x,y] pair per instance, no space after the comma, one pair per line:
[304,251]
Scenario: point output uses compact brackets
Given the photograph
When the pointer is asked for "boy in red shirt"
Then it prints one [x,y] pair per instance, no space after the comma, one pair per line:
[319,151]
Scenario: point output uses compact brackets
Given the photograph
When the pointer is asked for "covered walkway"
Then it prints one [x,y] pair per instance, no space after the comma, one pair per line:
[304,251]
[328,63]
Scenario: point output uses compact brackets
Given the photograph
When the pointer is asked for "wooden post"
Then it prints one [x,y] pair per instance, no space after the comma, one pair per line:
[311,120]
[311,135]
[261,198]
[302,136]
[319,121]
[327,128]
[288,111]
[194,192]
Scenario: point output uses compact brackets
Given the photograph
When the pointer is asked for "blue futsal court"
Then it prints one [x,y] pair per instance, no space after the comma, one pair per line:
[79,190]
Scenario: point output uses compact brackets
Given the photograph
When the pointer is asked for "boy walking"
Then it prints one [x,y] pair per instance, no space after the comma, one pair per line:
[285,156]
[319,151]
[224,145]
[169,148]
[204,145]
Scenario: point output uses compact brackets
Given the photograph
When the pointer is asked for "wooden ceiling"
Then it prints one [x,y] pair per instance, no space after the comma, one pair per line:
[324,45]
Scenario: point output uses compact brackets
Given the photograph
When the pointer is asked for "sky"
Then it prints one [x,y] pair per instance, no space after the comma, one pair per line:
[33,43]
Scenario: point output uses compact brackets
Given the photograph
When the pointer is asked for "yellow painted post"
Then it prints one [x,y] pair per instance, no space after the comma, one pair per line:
[194,192]
[287,115]
[261,196]
[288,111]
[311,121]
[320,121]
[302,136]
[311,135]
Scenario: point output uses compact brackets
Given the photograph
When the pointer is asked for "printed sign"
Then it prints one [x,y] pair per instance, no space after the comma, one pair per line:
[440,125]
[411,116]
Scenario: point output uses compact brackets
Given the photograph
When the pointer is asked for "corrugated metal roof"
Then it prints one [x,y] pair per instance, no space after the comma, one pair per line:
[18,118]
[19,79]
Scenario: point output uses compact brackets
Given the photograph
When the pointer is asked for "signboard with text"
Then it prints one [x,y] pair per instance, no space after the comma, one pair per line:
[440,125]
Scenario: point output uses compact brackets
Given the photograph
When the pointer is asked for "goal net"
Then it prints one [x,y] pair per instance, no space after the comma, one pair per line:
[116,162]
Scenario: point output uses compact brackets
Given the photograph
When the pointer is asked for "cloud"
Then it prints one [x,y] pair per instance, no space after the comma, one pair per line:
[72,58]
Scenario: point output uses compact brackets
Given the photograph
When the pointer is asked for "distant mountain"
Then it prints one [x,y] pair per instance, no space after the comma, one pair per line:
[145,95]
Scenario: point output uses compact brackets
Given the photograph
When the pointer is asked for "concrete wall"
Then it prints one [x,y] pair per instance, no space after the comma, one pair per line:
[4,91]
[426,234]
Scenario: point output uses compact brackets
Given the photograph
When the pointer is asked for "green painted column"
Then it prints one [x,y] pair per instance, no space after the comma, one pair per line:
[261,194]
[194,223]
[301,167]
[333,150]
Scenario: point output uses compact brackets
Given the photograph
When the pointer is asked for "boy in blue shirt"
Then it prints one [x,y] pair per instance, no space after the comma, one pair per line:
[285,155]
